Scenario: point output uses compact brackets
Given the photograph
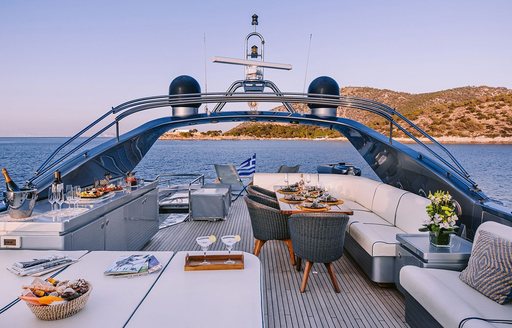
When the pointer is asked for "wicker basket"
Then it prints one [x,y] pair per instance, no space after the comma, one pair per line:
[60,311]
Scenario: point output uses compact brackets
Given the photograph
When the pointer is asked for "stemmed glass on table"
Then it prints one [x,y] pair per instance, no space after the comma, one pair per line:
[230,241]
[308,179]
[204,242]
[286,179]
[51,197]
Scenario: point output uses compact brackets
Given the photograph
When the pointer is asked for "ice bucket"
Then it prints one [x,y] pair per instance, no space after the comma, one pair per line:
[20,203]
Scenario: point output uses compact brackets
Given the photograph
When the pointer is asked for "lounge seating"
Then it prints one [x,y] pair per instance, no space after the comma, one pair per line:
[268,224]
[318,238]
[227,174]
[380,212]
[438,298]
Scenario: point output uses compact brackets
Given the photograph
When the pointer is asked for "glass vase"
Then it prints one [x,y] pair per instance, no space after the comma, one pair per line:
[440,238]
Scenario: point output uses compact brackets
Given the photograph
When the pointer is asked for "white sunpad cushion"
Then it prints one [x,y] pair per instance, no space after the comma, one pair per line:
[376,239]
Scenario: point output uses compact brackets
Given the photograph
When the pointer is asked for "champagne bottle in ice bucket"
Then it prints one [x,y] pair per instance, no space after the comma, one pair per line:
[9,184]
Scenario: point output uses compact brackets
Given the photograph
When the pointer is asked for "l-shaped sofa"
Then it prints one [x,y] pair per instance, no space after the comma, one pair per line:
[380,213]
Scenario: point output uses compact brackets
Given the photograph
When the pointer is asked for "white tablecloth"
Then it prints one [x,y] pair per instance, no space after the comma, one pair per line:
[223,298]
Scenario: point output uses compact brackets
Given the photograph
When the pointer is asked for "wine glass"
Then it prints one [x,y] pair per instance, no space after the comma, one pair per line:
[204,242]
[51,197]
[60,197]
[76,191]
[308,179]
[286,179]
[230,241]
[70,196]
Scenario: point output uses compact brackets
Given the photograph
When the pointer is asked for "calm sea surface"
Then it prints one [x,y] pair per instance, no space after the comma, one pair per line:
[489,165]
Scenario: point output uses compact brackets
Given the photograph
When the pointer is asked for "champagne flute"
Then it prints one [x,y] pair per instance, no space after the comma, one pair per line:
[286,179]
[204,242]
[230,241]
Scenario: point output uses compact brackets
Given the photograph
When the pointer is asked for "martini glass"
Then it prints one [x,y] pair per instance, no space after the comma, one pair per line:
[204,242]
[230,241]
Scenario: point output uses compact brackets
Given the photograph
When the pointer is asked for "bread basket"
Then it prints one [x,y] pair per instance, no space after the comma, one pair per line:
[62,310]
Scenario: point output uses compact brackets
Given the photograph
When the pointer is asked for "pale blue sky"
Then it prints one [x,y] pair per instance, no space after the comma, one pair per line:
[63,63]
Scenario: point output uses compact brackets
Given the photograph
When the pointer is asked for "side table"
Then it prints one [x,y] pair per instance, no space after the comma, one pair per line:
[415,249]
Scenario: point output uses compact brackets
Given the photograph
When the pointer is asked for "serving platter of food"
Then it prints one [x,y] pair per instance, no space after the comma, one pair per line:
[288,190]
[292,199]
[314,207]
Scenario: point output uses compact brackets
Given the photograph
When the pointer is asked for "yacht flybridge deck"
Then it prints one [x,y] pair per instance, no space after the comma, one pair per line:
[376,224]
[432,167]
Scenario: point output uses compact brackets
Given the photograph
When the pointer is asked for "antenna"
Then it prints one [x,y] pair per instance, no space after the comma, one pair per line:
[205,74]
[307,64]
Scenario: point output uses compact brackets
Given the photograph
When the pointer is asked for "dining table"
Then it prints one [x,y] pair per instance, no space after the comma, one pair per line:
[289,207]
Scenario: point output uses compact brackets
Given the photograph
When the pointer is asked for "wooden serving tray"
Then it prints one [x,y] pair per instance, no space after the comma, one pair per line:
[193,262]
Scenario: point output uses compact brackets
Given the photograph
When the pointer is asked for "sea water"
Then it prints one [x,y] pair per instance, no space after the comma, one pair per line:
[489,165]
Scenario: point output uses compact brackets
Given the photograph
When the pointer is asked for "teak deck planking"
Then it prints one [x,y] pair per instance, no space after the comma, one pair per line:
[361,302]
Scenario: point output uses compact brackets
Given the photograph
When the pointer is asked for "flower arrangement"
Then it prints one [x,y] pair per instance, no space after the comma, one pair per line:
[442,217]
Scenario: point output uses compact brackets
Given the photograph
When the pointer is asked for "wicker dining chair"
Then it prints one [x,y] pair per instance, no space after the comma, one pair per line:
[262,192]
[318,238]
[288,169]
[268,223]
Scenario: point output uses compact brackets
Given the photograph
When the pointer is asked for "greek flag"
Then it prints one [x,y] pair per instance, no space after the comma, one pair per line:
[248,167]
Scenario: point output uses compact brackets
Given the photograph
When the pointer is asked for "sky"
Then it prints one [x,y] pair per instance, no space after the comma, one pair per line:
[64,63]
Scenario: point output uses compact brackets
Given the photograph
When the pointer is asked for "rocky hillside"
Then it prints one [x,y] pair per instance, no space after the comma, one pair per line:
[460,112]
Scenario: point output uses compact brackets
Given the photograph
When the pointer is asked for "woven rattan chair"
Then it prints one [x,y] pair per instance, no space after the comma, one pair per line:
[268,223]
[318,238]
[262,192]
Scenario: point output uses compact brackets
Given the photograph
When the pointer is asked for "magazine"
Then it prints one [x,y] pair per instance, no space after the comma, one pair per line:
[133,265]
[37,267]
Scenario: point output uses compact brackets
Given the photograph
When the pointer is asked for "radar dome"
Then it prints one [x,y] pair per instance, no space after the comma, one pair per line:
[323,85]
[184,85]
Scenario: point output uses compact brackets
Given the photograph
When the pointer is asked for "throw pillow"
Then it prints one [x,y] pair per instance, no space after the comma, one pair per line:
[489,270]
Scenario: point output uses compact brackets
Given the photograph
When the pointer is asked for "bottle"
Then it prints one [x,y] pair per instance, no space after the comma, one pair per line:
[9,184]
[57,185]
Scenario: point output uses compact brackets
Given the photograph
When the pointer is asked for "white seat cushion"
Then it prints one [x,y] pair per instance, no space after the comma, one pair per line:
[411,212]
[386,201]
[447,298]
[375,238]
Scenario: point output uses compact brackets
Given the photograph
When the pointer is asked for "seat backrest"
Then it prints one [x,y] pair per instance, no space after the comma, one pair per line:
[318,237]
[385,201]
[267,222]
[262,199]
[288,169]
[258,191]
[496,228]
[411,213]
[227,173]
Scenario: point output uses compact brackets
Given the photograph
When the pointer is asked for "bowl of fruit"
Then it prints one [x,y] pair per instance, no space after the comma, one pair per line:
[52,299]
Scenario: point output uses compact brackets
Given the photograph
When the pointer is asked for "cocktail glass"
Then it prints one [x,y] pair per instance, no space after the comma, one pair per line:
[230,241]
[204,242]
